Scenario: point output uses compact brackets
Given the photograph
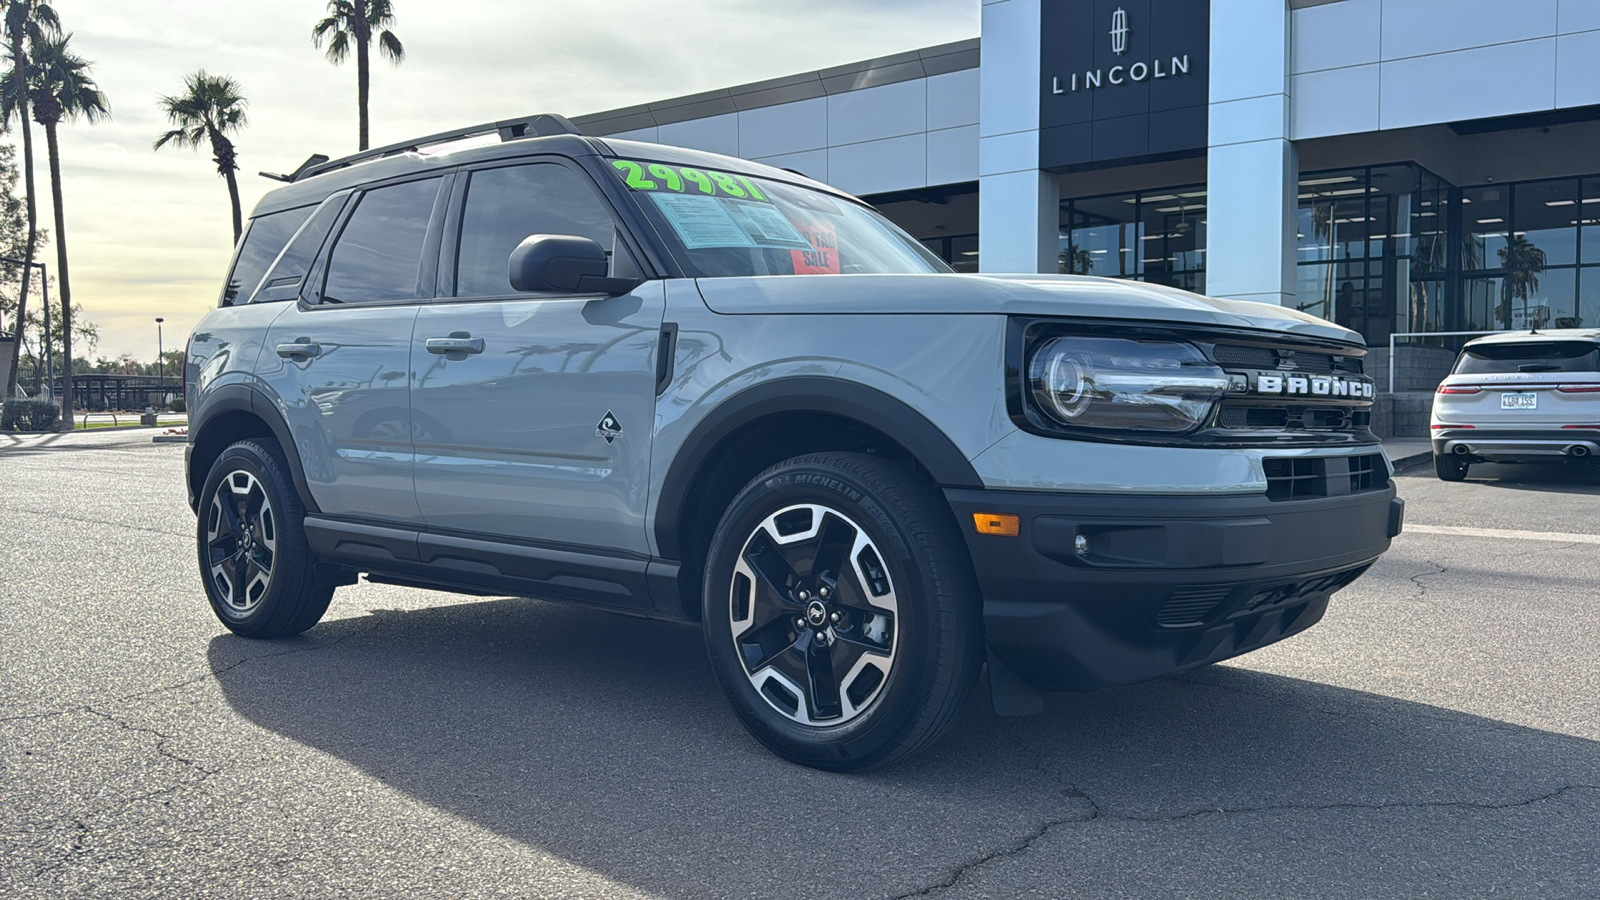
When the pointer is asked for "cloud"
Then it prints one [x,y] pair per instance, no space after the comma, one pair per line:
[149,233]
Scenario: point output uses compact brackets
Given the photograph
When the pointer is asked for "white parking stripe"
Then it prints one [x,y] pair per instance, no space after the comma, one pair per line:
[1559,537]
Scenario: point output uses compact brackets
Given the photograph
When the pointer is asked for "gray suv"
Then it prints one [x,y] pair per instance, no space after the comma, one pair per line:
[584,369]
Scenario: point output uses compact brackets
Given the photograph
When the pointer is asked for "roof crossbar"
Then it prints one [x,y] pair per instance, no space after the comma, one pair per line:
[542,125]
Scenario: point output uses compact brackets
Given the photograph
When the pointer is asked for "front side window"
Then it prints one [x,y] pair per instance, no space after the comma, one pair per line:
[378,256]
[724,224]
[1529,357]
[262,244]
[506,205]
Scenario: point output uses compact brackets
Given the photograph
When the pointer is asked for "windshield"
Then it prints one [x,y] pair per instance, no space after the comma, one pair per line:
[720,224]
[1544,356]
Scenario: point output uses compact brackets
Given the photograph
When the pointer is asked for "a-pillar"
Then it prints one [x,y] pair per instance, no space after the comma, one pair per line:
[1252,169]
[1018,205]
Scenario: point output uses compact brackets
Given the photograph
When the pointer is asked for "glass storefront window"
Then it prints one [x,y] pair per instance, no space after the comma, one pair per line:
[1485,226]
[1588,296]
[1547,299]
[1157,236]
[1588,217]
[1545,215]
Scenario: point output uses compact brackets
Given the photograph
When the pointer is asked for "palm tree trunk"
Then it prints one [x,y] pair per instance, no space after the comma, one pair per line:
[363,74]
[226,159]
[62,281]
[20,87]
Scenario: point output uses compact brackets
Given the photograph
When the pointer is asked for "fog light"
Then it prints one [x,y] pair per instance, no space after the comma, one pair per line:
[1001,524]
[1081,545]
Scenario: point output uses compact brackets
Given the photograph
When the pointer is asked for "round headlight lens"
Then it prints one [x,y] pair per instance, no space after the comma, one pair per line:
[1123,384]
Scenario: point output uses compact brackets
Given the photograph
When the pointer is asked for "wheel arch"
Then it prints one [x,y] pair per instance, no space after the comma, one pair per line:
[234,413]
[772,422]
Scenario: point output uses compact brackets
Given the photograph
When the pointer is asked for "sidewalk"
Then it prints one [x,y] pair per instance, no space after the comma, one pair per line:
[1408,450]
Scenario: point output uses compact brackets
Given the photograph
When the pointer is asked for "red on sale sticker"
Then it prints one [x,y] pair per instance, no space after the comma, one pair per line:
[823,257]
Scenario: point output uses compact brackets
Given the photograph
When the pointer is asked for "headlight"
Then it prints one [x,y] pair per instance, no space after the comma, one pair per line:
[1115,384]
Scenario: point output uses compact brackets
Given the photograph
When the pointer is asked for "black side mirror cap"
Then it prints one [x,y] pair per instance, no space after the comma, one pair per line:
[564,264]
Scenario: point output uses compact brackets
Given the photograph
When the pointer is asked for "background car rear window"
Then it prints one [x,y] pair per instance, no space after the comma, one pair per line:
[1553,356]
[379,253]
[506,205]
[262,244]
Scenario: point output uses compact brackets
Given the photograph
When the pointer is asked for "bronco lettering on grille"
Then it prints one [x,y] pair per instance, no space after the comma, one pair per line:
[1314,386]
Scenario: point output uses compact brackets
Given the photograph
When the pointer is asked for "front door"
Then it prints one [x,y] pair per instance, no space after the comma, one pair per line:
[532,414]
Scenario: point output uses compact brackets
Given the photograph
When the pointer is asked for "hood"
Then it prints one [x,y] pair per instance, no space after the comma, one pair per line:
[1013,295]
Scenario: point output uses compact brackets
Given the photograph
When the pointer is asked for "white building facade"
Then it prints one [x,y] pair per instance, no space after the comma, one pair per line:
[1397,166]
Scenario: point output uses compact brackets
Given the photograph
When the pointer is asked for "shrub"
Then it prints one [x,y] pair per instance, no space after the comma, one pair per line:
[29,415]
[177,404]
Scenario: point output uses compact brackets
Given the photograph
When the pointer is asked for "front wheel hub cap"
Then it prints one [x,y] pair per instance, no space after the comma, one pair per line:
[822,675]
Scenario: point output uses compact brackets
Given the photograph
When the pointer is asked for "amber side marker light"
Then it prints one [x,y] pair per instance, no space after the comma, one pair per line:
[1002,524]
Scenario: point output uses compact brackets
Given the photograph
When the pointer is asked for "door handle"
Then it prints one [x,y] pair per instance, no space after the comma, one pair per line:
[457,342]
[300,349]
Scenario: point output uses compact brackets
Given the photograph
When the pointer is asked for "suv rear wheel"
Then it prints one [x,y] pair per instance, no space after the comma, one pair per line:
[1450,466]
[254,560]
[841,613]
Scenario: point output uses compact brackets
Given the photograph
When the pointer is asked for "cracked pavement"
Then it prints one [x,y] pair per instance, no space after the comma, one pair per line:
[1437,735]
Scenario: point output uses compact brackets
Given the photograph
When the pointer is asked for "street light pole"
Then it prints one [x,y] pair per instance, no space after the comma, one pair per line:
[161,362]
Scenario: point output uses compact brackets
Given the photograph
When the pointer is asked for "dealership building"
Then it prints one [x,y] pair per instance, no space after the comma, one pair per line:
[1396,166]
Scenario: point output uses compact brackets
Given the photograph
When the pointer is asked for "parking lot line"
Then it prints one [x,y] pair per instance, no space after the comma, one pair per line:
[1560,537]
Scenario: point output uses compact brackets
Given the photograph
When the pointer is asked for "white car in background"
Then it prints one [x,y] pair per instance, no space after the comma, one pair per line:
[1519,397]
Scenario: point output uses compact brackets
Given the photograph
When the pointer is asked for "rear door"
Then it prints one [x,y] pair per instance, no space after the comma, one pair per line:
[337,359]
[533,414]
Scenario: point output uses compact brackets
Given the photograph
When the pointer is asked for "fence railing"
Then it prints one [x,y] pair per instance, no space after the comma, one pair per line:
[1411,334]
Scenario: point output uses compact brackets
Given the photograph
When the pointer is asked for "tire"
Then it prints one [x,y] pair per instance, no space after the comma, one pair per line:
[1450,467]
[251,531]
[841,613]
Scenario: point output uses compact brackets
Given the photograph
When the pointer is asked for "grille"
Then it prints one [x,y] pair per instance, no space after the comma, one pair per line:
[1294,417]
[1296,592]
[1284,359]
[1191,605]
[1301,478]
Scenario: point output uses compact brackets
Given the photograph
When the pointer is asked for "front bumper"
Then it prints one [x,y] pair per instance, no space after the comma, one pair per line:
[1551,444]
[1161,584]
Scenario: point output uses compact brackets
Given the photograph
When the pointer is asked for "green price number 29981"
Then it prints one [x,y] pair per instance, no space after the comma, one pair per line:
[682,179]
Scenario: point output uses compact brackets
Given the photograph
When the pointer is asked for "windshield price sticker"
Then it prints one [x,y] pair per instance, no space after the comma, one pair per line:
[686,180]
[703,222]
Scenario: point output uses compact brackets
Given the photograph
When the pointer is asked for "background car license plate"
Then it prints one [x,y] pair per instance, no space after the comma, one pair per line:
[1519,401]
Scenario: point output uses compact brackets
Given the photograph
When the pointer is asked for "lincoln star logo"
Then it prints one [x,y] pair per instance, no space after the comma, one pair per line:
[1119,31]
[1314,386]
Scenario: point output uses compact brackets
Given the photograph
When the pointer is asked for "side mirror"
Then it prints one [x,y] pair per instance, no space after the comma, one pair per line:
[564,264]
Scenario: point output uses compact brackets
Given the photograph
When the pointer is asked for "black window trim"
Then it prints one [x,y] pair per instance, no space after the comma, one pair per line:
[455,219]
[317,276]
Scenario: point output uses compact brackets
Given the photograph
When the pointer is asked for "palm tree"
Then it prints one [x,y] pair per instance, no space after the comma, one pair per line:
[210,108]
[60,89]
[355,21]
[1523,260]
[25,20]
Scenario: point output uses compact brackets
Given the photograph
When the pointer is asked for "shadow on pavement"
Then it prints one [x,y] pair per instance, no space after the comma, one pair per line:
[605,741]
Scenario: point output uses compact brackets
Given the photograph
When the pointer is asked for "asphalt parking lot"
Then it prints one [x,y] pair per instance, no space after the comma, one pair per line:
[1438,735]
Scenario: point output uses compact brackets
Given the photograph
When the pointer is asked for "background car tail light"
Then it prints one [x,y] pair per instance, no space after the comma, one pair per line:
[1460,389]
[1578,388]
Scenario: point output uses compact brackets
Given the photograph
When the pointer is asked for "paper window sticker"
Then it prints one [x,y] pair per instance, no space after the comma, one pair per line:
[823,257]
[701,222]
[765,225]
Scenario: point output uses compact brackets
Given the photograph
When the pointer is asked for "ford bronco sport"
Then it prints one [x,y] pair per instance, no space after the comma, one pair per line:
[584,369]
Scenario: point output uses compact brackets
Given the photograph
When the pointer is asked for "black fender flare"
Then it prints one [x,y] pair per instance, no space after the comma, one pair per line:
[853,400]
[248,399]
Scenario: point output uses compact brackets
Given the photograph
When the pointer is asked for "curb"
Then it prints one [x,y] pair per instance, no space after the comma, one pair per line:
[170,439]
[1412,460]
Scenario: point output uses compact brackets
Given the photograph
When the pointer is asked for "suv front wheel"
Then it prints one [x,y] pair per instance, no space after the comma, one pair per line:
[257,567]
[841,613]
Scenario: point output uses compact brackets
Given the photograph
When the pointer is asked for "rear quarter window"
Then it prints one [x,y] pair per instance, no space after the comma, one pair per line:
[1529,357]
[263,241]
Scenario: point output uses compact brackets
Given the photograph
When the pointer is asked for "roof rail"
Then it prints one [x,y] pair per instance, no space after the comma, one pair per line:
[542,125]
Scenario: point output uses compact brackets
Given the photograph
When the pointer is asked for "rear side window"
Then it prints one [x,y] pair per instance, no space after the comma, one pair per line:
[506,205]
[1531,356]
[262,243]
[283,281]
[378,256]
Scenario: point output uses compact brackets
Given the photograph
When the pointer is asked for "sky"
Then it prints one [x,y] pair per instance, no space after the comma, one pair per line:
[148,232]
